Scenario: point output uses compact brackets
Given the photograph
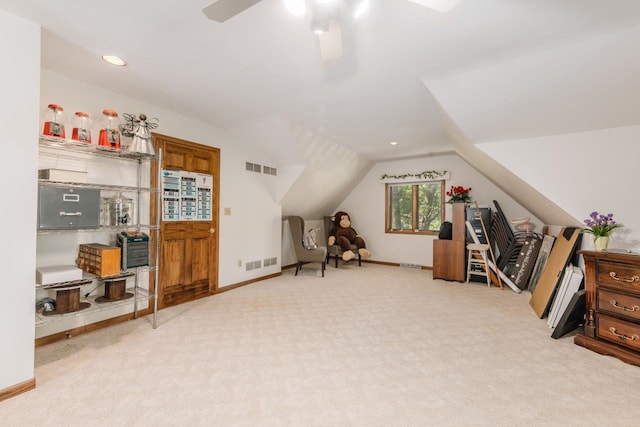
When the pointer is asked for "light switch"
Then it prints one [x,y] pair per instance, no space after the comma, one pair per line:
[227,211]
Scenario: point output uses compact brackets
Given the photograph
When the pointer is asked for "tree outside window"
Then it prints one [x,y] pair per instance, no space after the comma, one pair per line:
[416,208]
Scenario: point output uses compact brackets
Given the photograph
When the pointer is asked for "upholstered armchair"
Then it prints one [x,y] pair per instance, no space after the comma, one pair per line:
[305,255]
[334,250]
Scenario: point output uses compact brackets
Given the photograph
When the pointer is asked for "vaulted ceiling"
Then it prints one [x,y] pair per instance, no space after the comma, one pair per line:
[501,69]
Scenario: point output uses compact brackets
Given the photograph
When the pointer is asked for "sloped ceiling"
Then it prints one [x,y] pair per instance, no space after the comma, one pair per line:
[265,62]
[330,173]
[523,193]
[499,69]
[582,85]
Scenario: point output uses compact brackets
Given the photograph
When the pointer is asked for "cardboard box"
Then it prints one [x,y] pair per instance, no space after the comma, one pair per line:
[57,274]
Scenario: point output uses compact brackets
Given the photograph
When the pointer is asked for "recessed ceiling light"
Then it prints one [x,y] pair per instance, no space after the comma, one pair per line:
[393,143]
[320,26]
[114,60]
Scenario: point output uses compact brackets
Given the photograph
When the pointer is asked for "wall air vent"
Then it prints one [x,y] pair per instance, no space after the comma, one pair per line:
[270,261]
[409,265]
[253,265]
[253,167]
[267,170]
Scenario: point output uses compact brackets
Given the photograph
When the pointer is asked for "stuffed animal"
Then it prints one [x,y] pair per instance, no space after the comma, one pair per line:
[310,239]
[343,235]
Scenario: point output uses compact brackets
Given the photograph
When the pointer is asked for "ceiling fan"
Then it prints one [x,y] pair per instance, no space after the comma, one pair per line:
[326,16]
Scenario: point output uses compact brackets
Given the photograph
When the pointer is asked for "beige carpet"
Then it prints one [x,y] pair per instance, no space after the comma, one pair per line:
[365,346]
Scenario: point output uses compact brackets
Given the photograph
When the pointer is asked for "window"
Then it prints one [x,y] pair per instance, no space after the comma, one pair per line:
[414,208]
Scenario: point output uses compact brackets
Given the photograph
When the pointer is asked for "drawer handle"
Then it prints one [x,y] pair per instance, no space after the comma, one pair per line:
[622,307]
[70,213]
[614,276]
[633,337]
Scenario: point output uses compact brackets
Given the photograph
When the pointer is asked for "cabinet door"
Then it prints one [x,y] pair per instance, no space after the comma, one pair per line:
[174,155]
[185,158]
[186,266]
[188,249]
[449,260]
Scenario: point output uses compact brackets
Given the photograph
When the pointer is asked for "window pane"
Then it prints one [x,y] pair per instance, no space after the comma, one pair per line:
[429,206]
[401,206]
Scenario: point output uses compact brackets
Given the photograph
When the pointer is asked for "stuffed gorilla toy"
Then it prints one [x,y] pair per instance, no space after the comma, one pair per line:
[343,235]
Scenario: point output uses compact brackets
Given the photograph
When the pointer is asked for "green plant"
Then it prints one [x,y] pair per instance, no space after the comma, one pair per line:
[459,194]
[600,225]
[431,175]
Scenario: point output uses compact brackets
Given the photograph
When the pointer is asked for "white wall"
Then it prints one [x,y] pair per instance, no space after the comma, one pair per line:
[19,86]
[27,90]
[583,172]
[366,205]
[243,235]
[252,231]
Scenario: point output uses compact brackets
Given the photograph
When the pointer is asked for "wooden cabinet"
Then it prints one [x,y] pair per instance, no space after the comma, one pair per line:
[612,290]
[449,256]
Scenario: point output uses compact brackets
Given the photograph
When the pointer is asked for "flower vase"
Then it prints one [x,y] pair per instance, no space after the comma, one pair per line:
[601,243]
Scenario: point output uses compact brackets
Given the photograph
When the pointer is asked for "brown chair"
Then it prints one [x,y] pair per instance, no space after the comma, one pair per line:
[335,250]
[305,255]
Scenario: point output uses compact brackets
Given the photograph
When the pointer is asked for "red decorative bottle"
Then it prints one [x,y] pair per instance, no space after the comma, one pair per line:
[55,125]
[82,128]
[109,133]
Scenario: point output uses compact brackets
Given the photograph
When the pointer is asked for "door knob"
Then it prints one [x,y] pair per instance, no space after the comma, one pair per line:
[212,230]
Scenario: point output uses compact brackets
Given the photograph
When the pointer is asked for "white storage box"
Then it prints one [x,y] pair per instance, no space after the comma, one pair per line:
[61,175]
[57,274]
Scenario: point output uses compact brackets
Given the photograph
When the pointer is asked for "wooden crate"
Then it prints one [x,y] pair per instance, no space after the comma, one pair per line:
[101,260]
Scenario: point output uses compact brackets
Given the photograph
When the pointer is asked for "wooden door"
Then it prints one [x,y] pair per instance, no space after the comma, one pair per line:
[188,249]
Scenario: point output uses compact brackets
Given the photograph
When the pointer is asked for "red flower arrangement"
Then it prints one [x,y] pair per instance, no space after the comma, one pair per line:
[459,194]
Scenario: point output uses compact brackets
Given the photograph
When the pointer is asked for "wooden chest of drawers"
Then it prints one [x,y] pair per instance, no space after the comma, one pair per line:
[612,285]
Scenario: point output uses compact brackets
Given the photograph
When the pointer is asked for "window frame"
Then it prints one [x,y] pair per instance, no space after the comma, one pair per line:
[414,208]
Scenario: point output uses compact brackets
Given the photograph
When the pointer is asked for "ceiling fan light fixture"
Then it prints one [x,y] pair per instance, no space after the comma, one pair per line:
[443,6]
[296,7]
[361,8]
[319,26]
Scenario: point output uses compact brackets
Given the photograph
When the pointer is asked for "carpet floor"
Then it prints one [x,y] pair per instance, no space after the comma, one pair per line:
[364,346]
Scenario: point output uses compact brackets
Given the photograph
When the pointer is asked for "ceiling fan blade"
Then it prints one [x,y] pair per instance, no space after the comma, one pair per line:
[331,42]
[222,10]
